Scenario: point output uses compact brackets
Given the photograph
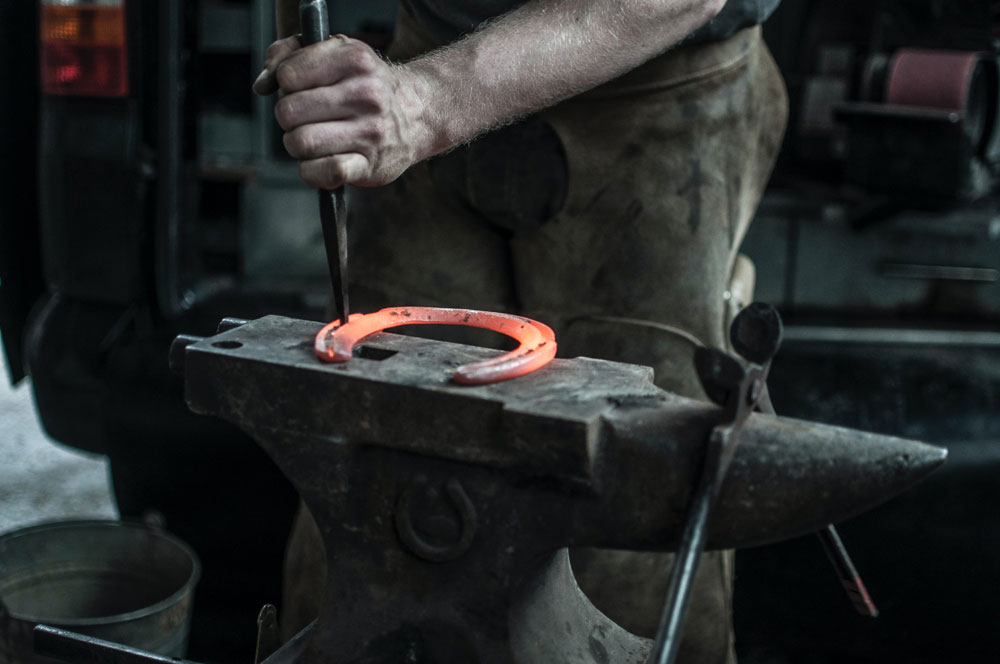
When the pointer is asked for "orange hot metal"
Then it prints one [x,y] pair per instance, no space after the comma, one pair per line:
[335,342]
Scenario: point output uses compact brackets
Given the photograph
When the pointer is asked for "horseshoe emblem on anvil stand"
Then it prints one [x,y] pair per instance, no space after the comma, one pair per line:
[407,511]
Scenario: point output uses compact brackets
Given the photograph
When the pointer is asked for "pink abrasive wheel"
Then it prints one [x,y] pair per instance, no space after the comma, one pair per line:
[932,79]
[335,342]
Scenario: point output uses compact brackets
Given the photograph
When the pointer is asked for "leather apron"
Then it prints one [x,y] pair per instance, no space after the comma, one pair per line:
[614,217]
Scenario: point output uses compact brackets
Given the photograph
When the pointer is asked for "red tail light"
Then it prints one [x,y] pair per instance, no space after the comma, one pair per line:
[83,48]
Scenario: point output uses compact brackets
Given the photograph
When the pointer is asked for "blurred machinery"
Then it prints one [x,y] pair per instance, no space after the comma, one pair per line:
[883,204]
[904,94]
[879,238]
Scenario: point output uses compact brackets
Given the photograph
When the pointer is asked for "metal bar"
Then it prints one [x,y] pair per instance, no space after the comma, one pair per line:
[846,572]
[900,337]
[315,21]
[340,221]
[924,272]
[262,32]
[79,649]
[738,392]
[332,205]
[167,237]
[670,630]
[333,218]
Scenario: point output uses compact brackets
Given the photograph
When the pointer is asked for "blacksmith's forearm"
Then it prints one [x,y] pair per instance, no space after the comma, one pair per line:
[539,54]
[351,117]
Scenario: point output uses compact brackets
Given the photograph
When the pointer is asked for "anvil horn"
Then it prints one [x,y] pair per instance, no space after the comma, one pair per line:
[788,478]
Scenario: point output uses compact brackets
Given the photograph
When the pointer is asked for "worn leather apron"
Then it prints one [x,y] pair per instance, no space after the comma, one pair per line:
[615,217]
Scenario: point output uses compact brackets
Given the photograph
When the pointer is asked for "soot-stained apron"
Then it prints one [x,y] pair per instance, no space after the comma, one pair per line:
[614,217]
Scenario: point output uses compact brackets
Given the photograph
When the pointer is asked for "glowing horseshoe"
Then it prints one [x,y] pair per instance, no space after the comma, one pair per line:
[335,342]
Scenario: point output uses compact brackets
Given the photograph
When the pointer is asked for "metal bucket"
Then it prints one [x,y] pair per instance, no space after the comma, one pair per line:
[127,583]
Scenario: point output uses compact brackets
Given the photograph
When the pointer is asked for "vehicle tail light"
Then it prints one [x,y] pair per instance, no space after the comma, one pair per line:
[83,48]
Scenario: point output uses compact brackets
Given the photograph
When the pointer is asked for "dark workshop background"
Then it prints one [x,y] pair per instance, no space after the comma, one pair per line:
[125,222]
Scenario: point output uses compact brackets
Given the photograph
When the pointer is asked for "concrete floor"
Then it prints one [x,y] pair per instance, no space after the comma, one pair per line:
[41,480]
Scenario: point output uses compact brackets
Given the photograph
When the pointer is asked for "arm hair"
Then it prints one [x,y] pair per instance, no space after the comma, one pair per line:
[540,54]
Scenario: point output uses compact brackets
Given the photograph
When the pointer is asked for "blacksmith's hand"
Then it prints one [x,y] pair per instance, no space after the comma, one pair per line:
[349,116]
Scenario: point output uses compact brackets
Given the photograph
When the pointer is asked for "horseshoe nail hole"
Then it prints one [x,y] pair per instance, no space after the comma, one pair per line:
[227,345]
[376,354]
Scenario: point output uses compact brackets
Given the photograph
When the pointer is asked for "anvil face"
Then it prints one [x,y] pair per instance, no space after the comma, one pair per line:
[397,394]
[443,508]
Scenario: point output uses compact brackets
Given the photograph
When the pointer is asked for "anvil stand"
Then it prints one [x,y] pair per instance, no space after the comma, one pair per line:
[446,510]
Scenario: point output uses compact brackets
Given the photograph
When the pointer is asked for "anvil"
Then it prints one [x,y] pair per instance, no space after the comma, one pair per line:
[446,510]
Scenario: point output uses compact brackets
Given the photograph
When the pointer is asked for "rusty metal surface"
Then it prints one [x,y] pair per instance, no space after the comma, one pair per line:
[437,502]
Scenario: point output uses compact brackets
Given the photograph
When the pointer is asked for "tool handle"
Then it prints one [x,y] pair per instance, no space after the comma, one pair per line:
[671,626]
[314,20]
[848,574]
